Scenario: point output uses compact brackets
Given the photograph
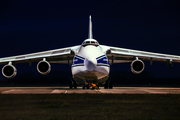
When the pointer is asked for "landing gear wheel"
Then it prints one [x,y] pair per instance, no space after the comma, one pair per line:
[87,87]
[73,84]
[83,87]
[70,86]
[98,87]
[108,84]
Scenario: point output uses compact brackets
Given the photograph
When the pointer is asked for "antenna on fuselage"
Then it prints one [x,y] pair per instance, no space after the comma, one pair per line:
[90,28]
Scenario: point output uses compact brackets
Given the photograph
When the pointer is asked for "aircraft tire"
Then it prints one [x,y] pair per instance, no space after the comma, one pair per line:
[70,86]
[106,85]
[110,86]
[83,87]
[75,85]
[98,86]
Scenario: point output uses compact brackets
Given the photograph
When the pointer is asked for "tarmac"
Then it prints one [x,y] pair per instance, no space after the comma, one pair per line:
[79,90]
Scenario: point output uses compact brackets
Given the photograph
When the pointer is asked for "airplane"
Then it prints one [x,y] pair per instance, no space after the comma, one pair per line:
[90,62]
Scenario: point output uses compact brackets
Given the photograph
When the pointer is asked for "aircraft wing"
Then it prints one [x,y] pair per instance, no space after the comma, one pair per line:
[63,55]
[121,55]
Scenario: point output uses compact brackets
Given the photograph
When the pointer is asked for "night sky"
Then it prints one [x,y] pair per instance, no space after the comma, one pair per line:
[28,26]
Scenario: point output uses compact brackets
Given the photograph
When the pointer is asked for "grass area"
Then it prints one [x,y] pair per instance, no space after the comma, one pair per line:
[89,106]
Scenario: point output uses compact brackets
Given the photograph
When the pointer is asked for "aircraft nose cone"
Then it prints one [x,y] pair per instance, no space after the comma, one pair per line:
[91,64]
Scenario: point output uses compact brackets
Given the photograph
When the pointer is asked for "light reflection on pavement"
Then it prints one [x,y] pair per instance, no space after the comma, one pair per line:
[66,90]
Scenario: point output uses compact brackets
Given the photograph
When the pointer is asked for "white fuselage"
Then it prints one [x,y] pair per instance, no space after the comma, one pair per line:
[90,65]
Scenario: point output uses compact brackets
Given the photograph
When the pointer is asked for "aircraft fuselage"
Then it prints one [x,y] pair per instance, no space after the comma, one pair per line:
[90,65]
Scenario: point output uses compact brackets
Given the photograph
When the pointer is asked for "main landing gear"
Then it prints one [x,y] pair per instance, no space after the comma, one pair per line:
[73,84]
[108,84]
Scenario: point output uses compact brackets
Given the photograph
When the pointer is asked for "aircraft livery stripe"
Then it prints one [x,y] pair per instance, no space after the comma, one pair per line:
[101,56]
[107,65]
[76,57]
[77,65]
[104,57]
[78,60]
[102,60]
[80,57]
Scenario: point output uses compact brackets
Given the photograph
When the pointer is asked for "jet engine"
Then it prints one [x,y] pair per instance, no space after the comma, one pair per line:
[9,71]
[137,66]
[44,67]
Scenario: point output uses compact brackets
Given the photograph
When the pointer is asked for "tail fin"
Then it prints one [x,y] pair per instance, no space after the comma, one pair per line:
[90,28]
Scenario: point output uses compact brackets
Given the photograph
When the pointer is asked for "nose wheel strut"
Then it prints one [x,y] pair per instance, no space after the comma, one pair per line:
[85,86]
[91,85]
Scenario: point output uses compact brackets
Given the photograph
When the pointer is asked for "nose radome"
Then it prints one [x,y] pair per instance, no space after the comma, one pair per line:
[91,64]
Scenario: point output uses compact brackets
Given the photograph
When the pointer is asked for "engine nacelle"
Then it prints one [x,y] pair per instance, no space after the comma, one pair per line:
[44,67]
[137,66]
[9,71]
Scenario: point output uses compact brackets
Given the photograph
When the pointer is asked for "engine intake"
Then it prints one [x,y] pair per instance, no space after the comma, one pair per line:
[44,67]
[137,66]
[9,71]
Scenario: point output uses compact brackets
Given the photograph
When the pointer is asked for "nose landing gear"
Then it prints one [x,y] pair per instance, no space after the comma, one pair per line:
[85,86]
[91,85]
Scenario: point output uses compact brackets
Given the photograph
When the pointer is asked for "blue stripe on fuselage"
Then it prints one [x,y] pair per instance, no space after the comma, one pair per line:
[80,57]
[77,65]
[103,65]
[102,60]
[100,56]
[78,61]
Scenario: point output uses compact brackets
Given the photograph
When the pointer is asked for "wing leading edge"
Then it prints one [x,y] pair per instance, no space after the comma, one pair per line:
[122,55]
[63,55]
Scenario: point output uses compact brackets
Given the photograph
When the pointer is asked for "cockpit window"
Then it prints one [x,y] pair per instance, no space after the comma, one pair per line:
[90,43]
[87,42]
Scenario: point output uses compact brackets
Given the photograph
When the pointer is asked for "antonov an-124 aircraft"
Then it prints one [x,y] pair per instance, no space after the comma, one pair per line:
[90,62]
